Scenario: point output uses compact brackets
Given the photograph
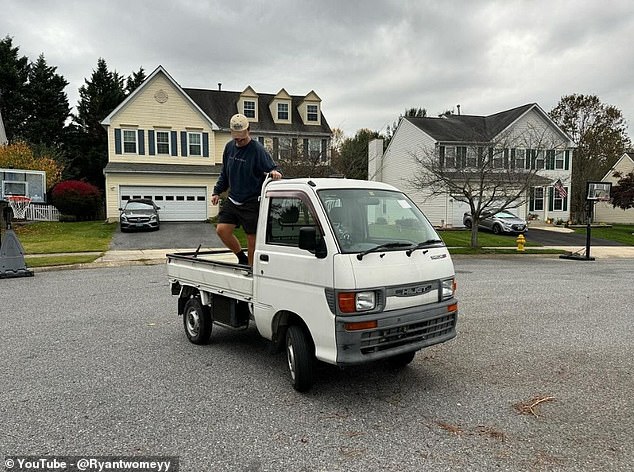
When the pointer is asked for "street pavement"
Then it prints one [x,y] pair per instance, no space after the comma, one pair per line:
[96,362]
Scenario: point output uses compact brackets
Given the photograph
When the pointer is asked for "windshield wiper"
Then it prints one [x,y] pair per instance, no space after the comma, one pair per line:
[382,246]
[429,242]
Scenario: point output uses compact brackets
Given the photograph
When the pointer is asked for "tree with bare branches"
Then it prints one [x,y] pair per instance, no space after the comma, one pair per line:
[486,174]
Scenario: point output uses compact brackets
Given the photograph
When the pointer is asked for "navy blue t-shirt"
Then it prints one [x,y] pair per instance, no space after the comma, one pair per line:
[243,170]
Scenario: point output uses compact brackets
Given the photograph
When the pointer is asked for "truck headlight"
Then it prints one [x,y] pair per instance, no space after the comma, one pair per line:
[447,288]
[353,302]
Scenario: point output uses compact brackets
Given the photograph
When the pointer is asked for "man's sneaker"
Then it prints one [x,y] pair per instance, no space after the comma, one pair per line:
[242,258]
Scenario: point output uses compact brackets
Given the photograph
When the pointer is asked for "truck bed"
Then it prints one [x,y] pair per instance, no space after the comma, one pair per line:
[213,271]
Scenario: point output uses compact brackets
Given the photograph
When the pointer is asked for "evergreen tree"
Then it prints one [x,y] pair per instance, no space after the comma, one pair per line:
[134,81]
[87,140]
[14,71]
[47,105]
[352,160]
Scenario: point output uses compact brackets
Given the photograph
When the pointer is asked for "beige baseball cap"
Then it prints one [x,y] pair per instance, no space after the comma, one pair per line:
[239,125]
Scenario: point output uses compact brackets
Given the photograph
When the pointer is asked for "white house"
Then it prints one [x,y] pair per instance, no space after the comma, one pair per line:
[3,133]
[604,212]
[523,137]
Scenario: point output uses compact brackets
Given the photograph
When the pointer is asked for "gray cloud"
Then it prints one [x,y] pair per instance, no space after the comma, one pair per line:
[367,60]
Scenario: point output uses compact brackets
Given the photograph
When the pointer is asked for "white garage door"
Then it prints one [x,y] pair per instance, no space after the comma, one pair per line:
[177,203]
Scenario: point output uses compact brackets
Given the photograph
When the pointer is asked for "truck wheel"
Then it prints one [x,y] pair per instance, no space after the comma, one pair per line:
[197,321]
[300,358]
[401,360]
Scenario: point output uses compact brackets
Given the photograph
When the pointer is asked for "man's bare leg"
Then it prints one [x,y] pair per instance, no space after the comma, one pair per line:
[225,233]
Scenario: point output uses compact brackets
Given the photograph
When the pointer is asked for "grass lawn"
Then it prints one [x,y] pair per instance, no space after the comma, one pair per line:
[51,237]
[462,238]
[620,233]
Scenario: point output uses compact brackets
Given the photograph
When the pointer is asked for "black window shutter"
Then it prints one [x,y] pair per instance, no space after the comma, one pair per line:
[205,144]
[567,160]
[150,142]
[565,207]
[141,134]
[117,141]
[174,145]
[183,143]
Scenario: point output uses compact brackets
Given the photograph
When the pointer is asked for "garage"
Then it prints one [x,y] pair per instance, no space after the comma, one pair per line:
[176,203]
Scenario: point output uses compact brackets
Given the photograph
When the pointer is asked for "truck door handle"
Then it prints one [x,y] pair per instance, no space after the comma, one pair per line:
[264,257]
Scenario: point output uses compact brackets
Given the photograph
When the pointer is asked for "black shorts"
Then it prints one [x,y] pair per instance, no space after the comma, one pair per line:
[245,215]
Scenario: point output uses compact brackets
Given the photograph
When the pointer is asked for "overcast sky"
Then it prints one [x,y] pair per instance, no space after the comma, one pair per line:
[367,60]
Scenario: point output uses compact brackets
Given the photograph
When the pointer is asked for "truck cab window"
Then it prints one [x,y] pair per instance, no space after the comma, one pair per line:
[286,216]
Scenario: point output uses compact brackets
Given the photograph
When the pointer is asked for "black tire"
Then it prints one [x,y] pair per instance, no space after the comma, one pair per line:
[299,356]
[197,321]
[467,224]
[497,229]
[401,360]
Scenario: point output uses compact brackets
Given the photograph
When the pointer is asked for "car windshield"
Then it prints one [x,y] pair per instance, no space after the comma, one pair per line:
[139,206]
[505,214]
[363,219]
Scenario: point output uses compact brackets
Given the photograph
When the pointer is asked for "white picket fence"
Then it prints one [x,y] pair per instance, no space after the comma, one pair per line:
[41,212]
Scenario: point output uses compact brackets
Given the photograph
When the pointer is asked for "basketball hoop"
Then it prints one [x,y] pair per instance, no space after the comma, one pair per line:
[19,204]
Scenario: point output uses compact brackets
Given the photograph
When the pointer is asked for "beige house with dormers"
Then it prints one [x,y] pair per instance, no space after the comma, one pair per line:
[604,212]
[165,142]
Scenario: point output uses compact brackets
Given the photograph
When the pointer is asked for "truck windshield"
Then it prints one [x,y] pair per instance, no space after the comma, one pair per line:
[362,219]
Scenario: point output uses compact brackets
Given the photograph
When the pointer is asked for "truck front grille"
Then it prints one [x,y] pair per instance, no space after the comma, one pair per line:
[388,338]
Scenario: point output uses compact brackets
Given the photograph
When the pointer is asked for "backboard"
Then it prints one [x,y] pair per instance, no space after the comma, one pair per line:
[598,191]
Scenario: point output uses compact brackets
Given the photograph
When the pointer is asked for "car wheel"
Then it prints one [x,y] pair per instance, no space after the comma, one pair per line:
[467,224]
[300,358]
[197,321]
[497,229]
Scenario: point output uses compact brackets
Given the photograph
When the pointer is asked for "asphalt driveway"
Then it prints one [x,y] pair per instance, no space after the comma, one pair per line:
[172,235]
[555,238]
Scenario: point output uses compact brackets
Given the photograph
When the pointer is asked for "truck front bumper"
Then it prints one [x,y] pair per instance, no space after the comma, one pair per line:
[397,332]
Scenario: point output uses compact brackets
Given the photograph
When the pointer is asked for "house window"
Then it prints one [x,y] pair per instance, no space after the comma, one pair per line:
[559,159]
[249,109]
[282,111]
[162,142]
[129,141]
[285,146]
[450,157]
[520,158]
[497,157]
[461,157]
[539,159]
[194,141]
[312,113]
[471,158]
[558,202]
[538,198]
[314,149]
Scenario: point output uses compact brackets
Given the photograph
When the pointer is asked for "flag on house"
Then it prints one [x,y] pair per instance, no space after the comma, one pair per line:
[561,190]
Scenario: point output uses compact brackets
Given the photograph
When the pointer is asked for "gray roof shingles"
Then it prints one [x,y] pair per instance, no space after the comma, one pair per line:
[469,128]
[221,105]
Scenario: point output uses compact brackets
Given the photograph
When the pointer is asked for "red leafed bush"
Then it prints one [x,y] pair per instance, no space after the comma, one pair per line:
[77,198]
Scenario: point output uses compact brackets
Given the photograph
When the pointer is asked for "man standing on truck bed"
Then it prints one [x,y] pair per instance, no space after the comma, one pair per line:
[244,165]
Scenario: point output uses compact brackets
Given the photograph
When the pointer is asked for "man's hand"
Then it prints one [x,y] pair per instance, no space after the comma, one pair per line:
[215,199]
[275,175]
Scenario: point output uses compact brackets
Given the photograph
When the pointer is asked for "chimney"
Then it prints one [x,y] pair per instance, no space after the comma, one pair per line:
[458,107]
[219,86]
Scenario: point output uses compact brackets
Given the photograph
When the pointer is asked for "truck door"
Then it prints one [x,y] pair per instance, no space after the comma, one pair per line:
[289,278]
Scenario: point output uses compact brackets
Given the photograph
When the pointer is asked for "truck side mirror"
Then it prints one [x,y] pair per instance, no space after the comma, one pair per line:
[308,241]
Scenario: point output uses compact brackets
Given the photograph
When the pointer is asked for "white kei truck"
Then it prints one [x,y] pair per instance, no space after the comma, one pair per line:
[344,272]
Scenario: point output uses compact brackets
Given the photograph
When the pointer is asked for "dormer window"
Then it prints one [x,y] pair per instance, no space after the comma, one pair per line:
[312,113]
[249,109]
[282,111]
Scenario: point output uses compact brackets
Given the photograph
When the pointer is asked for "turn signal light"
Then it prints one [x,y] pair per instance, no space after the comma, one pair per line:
[359,325]
[452,307]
